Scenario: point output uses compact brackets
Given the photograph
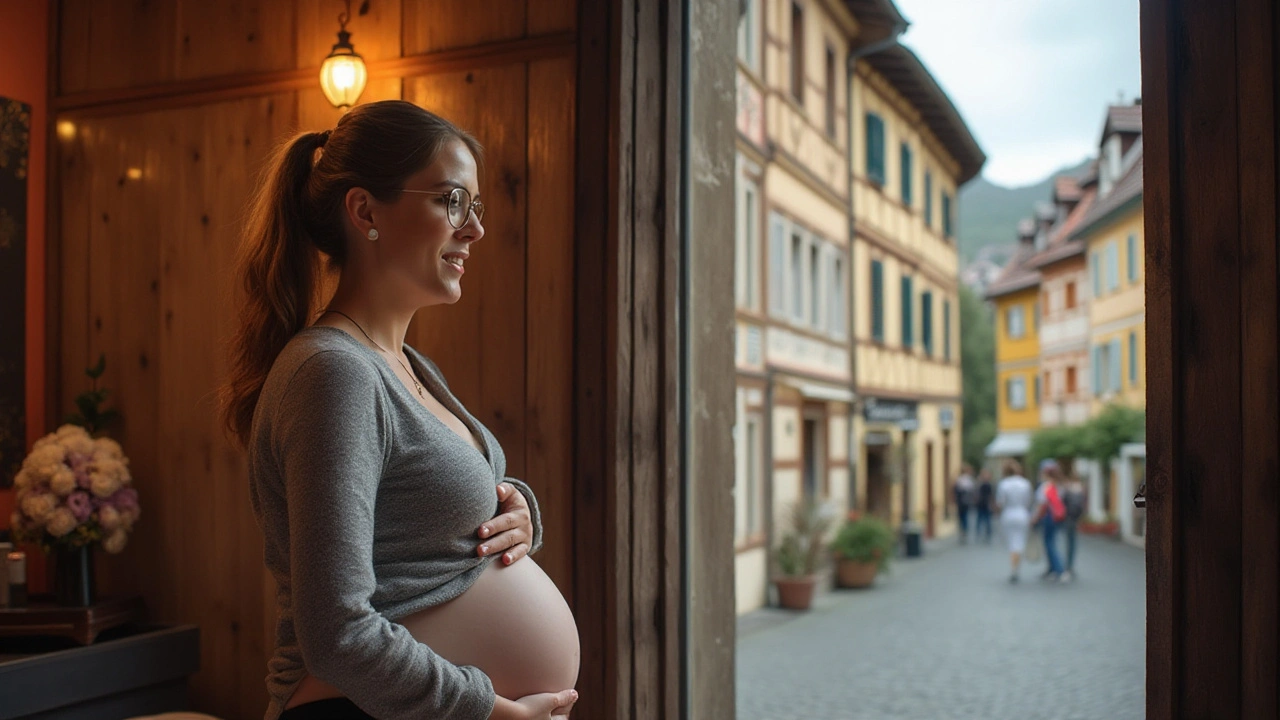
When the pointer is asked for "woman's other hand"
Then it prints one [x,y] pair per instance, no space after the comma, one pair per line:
[543,706]
[511,532]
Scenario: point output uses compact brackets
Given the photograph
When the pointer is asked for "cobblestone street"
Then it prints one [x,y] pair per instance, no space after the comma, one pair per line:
[947,637]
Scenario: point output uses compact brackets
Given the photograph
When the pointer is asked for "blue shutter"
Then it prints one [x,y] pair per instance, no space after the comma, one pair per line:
[777,266]
[875,149]
[905,158]
[1114,362]
[926,322]
[1113,267]
[946,215]
[877,300]
[1131,258]
[1133,359]
[908,334]
[1095,273]
[946,330]
[928,199]
[1097,370]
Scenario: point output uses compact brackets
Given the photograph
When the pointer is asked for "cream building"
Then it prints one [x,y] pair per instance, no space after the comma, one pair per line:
[910,152]
[793,351]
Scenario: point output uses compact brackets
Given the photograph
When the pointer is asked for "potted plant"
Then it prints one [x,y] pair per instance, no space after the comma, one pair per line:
[74,491]
[800,553]
[862,549]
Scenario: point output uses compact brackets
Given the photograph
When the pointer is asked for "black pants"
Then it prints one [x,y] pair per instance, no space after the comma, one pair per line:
[330,709]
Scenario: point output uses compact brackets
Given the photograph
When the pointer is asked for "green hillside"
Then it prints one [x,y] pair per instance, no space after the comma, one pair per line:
[989,213]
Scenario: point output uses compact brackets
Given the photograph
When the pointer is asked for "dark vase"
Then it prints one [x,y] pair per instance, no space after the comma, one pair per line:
[73,584]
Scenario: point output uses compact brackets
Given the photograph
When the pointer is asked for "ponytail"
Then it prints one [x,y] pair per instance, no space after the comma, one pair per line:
[279,269]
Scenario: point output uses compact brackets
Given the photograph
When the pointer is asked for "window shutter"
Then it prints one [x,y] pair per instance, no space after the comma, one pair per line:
[946,330]
[905,159]
[926,322]
[946,215]
[1114,364]
[875,148]
[1133,359]
[908,334]
[928,199]
[877,300]
[1132,259]
[1093,270]
[777,266]
[1097,370]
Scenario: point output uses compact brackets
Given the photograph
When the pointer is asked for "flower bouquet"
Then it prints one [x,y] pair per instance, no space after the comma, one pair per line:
[74,491]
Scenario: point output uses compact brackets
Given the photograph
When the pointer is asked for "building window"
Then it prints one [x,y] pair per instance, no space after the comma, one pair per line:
[908,332]
[797,53]
[748,476]
[1071,295]
[777,266]
[1113,268]
[928,199]
[746,269]
[831,93]
[748,34]
[926,322]
[946,215]
[877,300]
[1113,364]
[1096,273]
[905,159]
[815,286]
[1133,359]
[946,331]
[1016,393]
[1071,380]
[797,277]
[1015,322]
[875,148]
[1131,258]
[837,300]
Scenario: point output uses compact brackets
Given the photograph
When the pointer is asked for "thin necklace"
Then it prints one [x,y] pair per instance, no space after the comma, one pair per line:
[417,385]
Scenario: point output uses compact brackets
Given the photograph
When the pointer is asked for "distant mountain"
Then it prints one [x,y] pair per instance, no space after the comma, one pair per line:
[989,213]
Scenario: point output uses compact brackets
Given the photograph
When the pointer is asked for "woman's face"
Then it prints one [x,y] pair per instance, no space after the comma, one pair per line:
[417,249]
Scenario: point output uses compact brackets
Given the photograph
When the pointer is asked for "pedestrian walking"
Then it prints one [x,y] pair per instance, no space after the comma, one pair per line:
[1076,498]
[982,506]
[1049,514]
[965,491]
[1014,499]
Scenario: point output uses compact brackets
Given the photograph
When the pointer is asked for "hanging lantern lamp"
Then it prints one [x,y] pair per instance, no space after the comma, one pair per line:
[343,74]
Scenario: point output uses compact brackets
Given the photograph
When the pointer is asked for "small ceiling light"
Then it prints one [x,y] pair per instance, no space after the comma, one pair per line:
[343,75]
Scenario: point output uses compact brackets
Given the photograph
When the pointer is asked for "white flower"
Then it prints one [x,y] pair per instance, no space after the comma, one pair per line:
[23,479]
[82,444]
[107,447]
[103,484]
[114,542]
[70,431]
[38,508]
[129,517]
[109,518]
[63,481]
[61,522]
[45,456]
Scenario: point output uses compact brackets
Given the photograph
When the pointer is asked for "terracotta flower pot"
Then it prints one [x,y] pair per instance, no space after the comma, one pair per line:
[796,593]
[856,573]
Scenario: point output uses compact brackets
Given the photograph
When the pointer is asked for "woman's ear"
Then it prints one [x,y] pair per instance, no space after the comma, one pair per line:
[358,204]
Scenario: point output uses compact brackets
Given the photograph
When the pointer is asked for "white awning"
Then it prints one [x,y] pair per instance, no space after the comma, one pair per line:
[1009,444]
[826,392]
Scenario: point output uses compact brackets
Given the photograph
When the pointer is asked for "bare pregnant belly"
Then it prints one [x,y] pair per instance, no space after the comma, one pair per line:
[513,624]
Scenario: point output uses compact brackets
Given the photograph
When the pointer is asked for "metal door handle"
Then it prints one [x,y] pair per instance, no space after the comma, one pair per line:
[1140,500]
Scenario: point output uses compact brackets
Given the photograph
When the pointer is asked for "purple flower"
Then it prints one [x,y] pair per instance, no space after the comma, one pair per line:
[83,481]
[77,461]
[80,505]
[125,499]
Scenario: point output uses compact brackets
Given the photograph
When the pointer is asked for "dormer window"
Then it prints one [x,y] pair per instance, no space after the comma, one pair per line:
[1109,167]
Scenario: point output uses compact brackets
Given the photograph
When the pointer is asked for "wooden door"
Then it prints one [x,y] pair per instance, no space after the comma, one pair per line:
[930,491]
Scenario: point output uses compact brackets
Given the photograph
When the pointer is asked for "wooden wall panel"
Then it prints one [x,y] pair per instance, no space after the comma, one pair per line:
[479,343]
[549,310]
[228,38]
[551,17]
[115,44]
[432,25]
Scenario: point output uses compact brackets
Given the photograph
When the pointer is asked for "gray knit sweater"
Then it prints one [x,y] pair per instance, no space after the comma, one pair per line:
[369,506]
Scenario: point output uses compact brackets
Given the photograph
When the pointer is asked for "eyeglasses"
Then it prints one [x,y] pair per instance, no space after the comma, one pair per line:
[460,204]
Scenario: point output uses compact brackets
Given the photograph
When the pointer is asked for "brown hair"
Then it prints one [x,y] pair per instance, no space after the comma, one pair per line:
[1054,473]
[298,215]
[1011,468]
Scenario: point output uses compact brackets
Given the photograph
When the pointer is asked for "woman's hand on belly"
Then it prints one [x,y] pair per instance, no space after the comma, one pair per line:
[543,706]
[511,532]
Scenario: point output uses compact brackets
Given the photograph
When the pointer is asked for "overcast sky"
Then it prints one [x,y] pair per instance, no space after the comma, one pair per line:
[1032,78]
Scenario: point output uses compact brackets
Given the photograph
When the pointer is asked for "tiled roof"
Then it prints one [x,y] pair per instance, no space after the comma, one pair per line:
[878,21]
[1066,189]
[1122,118]
[1126,189]
[906,73]
[1017,274]
[1061,245]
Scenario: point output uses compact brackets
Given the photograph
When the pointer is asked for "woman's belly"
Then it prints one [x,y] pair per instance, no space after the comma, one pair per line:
[513,624]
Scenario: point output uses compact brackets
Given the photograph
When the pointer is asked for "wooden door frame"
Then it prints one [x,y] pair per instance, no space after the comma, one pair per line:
[1210,196]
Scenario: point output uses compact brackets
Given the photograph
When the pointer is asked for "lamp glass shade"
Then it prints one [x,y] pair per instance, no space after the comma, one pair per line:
[342,78]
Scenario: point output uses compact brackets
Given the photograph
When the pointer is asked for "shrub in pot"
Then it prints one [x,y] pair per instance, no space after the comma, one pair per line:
[862,549]
[801,552]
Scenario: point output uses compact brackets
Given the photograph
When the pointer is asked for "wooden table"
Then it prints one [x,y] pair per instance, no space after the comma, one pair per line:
[128,671]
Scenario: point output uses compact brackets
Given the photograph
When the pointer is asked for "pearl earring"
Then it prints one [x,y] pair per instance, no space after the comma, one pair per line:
[373,233]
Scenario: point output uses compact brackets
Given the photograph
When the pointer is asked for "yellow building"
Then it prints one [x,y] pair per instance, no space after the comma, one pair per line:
[1016,295]
[1113,234]
[911,151]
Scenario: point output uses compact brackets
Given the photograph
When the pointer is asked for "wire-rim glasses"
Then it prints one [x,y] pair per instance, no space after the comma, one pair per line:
[460,205]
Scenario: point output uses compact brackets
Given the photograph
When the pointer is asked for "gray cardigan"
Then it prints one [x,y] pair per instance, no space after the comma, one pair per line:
[369,506]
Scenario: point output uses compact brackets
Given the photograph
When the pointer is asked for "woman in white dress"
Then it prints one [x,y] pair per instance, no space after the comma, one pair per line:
[1014,497]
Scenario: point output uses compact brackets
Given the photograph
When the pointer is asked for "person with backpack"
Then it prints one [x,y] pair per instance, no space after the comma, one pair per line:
[1050,512]
[1075,498]
[986,500]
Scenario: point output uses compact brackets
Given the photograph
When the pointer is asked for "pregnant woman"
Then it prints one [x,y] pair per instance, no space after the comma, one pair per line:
[396,541]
